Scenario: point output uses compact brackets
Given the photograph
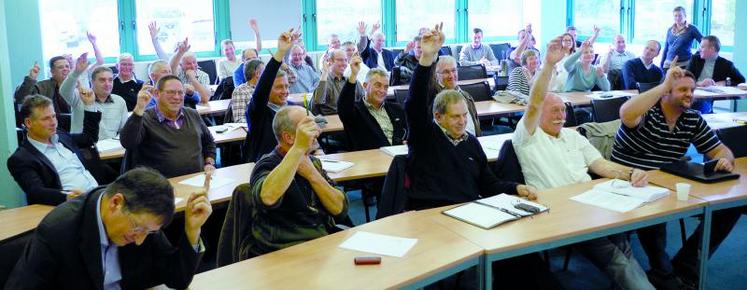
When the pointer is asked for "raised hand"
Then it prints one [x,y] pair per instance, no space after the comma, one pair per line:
[375,27]
[195,214]
[91,37]
[306,133]
[528,28]
[34,71]
[600,71]
[153,29]
[673,74]
[361,28]
[143,98]
[555,51]
[410,46]
[355,65]
[81,64]
[191,74]
[253,24]
[87,96]
[596,30]
[432,40]
[183,47]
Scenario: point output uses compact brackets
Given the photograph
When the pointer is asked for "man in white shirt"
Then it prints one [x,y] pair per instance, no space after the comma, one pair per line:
[553,156]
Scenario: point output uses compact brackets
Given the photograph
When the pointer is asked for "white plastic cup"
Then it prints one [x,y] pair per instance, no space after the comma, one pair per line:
[683,191]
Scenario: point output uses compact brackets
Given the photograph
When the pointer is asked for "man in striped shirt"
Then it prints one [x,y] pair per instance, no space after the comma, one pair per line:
[658,127]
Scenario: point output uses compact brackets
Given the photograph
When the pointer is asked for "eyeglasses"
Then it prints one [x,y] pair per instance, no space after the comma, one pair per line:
[447,71]
[137,227]
[173,92]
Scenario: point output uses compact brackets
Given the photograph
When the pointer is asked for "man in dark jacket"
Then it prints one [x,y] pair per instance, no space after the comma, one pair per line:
[710,69]
[372,49]
[48,165]
[110,238]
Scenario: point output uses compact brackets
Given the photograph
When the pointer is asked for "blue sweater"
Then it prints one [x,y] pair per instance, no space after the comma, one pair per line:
[635,72]
[679,45]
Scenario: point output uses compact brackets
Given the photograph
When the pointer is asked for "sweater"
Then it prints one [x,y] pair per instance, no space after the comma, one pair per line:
[635,72]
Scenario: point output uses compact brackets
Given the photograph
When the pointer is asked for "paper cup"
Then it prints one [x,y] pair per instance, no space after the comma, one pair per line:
[683,191]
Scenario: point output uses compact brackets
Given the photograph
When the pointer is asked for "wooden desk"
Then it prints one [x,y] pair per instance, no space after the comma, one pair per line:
[320,264]
[217,195]
[493,108]
[214,107]
[20,220]
[567,222]
[730,191]
[583,99]
[725,120]
[491,83]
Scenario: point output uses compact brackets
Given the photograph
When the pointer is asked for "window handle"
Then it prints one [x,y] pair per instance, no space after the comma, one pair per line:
[121,25]
[134,26]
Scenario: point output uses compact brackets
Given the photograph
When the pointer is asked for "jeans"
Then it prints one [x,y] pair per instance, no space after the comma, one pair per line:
[614,256]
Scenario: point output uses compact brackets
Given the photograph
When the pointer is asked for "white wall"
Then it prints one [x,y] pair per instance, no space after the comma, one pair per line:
[273,16]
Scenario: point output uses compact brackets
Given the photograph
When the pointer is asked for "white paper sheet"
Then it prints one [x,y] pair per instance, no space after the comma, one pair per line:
[199,181]
[395,150]
[335,166]
[177,200]
[507,202]
[608,200]
[379,244]
[608,95]
[108,145]
[647,193]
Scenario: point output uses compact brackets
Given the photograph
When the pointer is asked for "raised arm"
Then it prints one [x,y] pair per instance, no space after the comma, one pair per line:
[279,179]
[538,91]
[570,63]
[181,49]
[416,105]
[96,51]
[262,92]
[154,29]
[67,88]
[363,41]
[594,36]
[516,53]
[257,38]
[133,132]
[28,86]
[346,100]
[631,112]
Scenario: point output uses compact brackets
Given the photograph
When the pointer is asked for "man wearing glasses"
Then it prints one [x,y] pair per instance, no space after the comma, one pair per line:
[331,82]
[111,238]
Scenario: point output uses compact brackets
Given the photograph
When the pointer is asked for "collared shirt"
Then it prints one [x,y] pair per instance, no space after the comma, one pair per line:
[707,72]
[380,60]
[618,59]
[548,161]
[239,99]
[306,79]
[647,66]
[175,124]
[109,254]
[381,117]
[72,173]
[274,107]
[113,109]
[133,79]
[453,140]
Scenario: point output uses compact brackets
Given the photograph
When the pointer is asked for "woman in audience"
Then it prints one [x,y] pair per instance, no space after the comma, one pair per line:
[522,77]
[679,40]
[560,75]
[582,74]
[227,66]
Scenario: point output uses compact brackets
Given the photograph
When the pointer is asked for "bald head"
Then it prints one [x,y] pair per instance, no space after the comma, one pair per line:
[553,114]
[285,122]
[619,43]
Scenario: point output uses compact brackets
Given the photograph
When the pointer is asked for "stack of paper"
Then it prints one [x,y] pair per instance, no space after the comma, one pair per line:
[335,166]
[395,150]
[618,195]
[199,181]
[379,244]
[108,145]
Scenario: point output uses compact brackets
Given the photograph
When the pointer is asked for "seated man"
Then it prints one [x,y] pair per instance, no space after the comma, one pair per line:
[711,69]
[407,60]
[553,156]
[112,107]
[196,82]
[614,60]
[126,85]
[48,165]
[292,197]
[306,76]
[270,95]
[370,122]
[243,93]
[447,77]
[169,137]
[642,69]
[350,50]
[330,84]
[50,88]
[476,52]
[111,238]
[658,127]
[372,49]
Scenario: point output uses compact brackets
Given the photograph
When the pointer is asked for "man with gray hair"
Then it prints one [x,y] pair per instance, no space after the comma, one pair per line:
[306,77]
[113,108]
[447,77]
[126,84]
[372,49]
[243,93]
[270,95]
[293,200]
[196,81]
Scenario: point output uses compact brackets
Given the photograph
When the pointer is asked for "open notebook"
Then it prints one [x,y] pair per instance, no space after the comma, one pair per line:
[619,195]
[493,211]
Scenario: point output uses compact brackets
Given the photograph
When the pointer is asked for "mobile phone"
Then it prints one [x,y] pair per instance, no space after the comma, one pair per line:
[527,207]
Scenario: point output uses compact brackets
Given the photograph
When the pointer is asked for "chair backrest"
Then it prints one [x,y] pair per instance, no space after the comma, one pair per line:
[605,110]
[114,69]
[228,116]
[236,228]
[479,91]
[393,193]
[64,120]
[471,72]
[396,51]
[400,96]
[458,50]
[447,50]
[395,79]
[224,89]
[643,87]
[570,116]
[616,79]
[507,167]
[501,50]
[501,82]
[733,138]
[209,67]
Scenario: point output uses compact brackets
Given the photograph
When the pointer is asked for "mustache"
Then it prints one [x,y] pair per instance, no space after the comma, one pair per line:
[558,122]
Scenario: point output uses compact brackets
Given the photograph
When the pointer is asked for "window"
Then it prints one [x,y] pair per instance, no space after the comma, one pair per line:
[177,20]
[342,17]
[484,13]
[64,25]
[653,18]
[603,13]
[723,20]
[414,14]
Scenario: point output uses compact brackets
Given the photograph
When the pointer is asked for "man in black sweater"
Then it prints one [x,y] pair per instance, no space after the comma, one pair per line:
[371,122]
[446,164]
[269,96]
